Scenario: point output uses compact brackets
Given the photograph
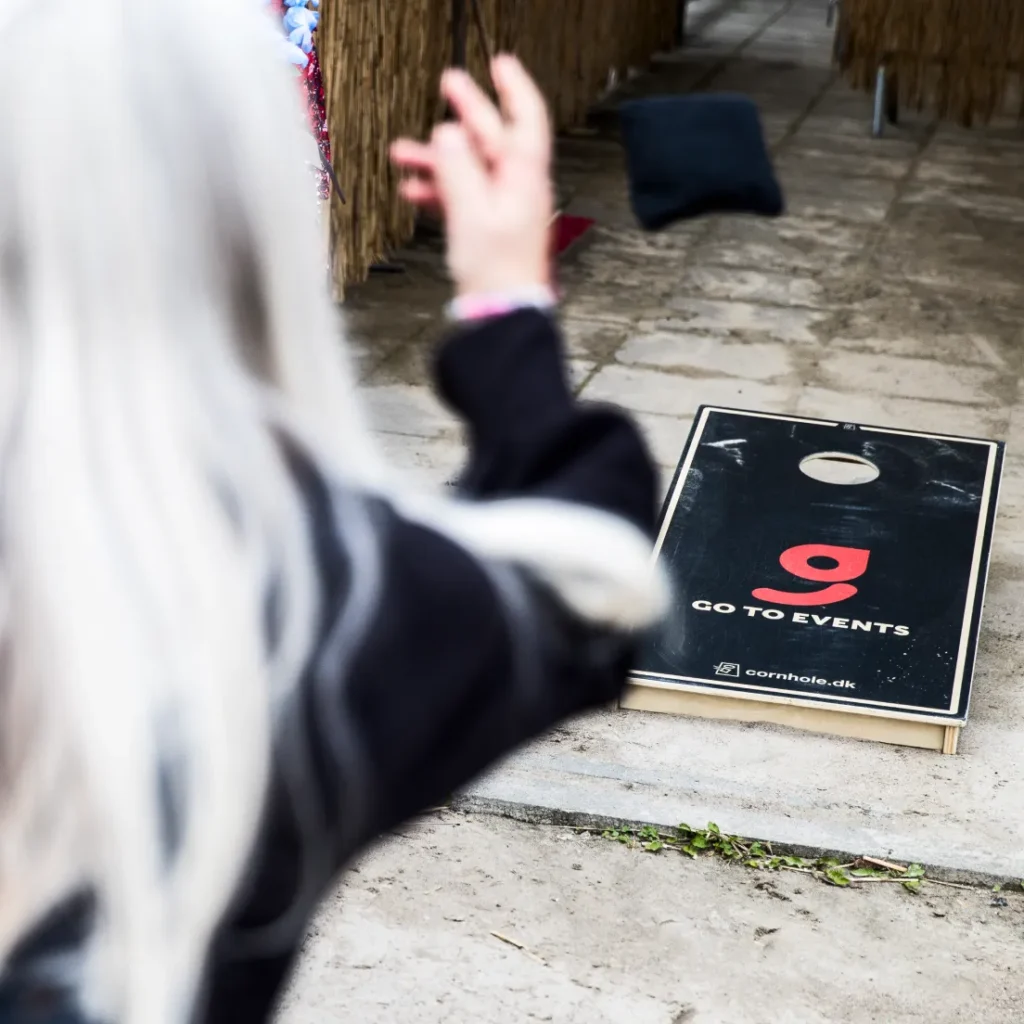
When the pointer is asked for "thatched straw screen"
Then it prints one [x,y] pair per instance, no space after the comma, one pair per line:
[963,58]
[382,60]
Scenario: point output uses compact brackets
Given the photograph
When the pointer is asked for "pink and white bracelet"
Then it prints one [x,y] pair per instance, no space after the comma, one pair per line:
[470,308]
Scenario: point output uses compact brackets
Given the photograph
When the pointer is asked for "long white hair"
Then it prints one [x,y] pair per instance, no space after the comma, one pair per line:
[164,309]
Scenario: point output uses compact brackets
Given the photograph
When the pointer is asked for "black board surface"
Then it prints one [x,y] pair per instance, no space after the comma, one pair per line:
[863,597]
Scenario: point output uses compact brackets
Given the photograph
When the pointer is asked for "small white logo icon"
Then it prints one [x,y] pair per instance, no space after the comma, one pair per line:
[728,668]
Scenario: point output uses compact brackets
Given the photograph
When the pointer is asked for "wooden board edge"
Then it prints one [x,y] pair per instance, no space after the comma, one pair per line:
[923,735]
[951,741]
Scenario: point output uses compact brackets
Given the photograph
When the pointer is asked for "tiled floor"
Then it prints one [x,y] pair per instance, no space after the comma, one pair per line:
[892,292]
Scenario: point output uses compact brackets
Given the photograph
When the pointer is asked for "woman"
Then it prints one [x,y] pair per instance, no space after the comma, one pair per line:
[236,647]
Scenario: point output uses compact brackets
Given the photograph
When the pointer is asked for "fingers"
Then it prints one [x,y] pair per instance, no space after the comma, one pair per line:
[460,174]
[418,160]
[416,157]
[420,193]
[479,116]
[524,106]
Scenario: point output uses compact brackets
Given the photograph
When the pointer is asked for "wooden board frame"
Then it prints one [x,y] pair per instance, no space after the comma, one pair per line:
[642,696]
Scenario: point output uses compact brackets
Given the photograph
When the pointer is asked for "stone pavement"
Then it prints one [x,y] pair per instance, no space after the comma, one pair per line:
[612,935]
[891,293]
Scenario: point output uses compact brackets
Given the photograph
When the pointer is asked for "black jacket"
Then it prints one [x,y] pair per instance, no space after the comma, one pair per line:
[459,663]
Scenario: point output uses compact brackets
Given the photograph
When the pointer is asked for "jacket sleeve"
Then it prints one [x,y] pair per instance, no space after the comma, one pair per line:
[463,658]
[528,436]
[433,662]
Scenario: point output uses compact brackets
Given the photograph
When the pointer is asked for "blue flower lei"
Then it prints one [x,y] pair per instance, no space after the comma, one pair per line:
[299,24]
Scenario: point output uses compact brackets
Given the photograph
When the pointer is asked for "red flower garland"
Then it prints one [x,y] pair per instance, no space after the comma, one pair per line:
[316,107]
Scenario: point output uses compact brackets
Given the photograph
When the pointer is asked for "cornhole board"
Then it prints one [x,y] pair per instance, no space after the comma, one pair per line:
[846,607]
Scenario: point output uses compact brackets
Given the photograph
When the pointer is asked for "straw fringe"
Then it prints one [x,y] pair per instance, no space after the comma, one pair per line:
[961,58]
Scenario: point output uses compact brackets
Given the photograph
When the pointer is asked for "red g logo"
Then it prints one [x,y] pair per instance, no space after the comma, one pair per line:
[850,563]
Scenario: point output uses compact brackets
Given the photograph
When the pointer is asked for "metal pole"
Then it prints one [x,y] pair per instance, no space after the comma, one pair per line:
[681,23]
[892,100]
[878,118]
[460,25]
[460,33]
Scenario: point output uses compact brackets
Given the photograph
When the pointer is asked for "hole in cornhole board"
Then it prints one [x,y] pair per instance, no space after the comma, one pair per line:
[839,468]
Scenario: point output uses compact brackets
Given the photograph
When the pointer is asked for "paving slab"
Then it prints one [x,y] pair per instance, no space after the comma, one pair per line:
[594,932]
[892,292]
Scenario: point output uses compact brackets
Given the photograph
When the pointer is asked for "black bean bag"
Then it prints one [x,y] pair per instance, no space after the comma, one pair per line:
[697,154]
